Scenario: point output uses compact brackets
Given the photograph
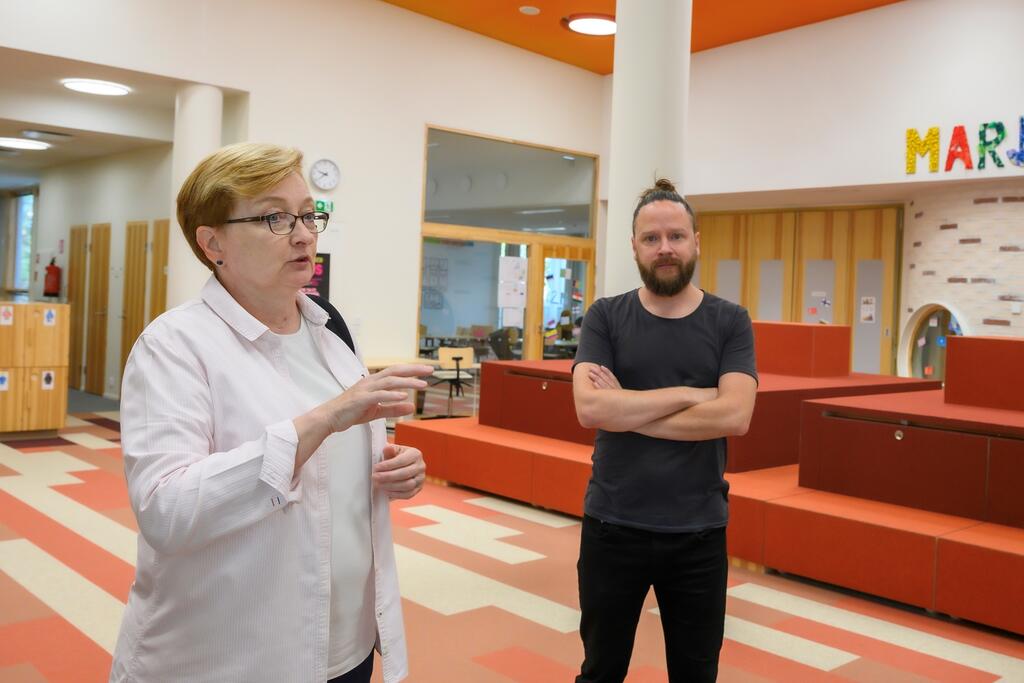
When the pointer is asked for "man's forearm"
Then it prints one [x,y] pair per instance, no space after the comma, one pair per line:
[709,420]
[625,410]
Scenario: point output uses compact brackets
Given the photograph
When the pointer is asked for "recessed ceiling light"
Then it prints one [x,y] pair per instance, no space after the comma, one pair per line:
[22,143]
[93,87]
[590,24]
[48,135]
[529,10]
[568,157]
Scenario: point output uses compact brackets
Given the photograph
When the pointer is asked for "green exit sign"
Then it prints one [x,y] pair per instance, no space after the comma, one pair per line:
[324,205]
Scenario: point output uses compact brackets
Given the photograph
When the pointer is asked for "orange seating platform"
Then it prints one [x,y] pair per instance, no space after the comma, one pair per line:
[915,449]
[985,371]
[534,469]
[940,562]
[773,438]
[535,397]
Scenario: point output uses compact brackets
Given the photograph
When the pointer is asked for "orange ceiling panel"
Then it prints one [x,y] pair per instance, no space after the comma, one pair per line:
[715,22]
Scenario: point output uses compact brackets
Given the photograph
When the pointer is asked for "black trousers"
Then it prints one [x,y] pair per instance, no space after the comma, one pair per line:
[360,674]
[618,566]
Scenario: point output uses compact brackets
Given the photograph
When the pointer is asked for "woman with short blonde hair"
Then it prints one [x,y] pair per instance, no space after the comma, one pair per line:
[256,456]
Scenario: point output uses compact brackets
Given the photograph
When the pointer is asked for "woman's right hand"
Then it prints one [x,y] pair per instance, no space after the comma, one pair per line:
[381,394]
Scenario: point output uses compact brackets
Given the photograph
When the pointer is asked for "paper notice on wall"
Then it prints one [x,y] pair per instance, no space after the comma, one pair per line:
[512,317]
[921,342]
[512,269]
[512,295]
[48,380]
[6,315]
[867,309]
[50,317]
[819,295]
[933,322]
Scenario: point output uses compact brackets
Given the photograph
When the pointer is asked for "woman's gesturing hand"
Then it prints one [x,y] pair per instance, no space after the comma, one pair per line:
[382,394]
[401,473]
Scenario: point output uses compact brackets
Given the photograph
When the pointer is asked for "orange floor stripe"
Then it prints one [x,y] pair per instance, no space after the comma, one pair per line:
[92,562]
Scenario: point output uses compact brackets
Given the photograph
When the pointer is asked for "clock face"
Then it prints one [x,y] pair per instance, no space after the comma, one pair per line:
[325,174]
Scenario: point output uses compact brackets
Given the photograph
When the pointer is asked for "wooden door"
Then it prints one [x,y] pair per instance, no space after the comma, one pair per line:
[158,287]
[76,298]
[133,314]
[99,278]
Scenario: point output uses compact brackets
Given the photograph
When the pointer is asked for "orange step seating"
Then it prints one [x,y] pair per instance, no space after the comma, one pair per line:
[949,563]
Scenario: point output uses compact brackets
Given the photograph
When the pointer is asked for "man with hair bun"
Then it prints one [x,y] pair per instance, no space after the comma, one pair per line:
[664,373]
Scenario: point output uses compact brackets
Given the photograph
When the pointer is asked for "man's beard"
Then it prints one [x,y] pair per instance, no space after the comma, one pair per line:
[667,285]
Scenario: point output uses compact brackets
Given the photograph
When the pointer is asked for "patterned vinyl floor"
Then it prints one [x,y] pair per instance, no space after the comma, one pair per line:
[489,590]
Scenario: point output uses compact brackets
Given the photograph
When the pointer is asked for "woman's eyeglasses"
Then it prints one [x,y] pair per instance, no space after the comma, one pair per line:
[282,222]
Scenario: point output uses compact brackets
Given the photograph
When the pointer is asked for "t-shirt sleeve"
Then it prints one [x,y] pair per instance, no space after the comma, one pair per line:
[738,350]
[595,342]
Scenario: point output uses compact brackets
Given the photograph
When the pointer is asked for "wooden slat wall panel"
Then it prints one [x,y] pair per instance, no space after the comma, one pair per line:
[770,236]
[133,315]
[875,235]
[722,237]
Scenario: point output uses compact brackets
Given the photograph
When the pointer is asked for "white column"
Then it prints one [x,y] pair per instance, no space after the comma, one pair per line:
[198,112]
[650,87]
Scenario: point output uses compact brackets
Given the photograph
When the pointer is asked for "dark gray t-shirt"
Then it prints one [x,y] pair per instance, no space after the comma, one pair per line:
[658,484]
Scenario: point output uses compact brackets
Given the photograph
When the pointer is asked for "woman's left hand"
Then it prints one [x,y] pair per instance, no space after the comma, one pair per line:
[401,473]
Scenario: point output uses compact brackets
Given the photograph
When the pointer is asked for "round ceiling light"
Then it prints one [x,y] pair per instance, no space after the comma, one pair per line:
[590,24]
[22,143]
[93,87]
[529,10]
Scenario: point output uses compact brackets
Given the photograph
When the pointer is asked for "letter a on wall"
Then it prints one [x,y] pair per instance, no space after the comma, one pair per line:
[959,149]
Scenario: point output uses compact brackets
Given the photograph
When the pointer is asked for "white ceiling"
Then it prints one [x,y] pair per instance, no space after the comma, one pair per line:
[32,97]
[21,168]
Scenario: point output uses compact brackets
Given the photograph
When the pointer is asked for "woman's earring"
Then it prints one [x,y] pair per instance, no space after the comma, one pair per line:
[219,262]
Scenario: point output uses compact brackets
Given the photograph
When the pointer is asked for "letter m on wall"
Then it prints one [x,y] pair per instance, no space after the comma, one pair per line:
[916,147]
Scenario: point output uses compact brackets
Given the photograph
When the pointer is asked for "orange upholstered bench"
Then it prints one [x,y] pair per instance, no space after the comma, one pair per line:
[980,575]
[748,492]
[878,548]
[534,469]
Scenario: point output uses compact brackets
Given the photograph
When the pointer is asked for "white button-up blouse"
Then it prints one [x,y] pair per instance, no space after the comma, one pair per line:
[233,575]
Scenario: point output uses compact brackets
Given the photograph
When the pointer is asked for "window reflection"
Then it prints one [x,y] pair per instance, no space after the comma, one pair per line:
[480,182]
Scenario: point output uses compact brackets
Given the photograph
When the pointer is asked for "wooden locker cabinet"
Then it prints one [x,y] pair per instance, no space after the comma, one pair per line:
[34,356]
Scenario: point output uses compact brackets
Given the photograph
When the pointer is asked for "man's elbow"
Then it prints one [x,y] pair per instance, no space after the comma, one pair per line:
[740,425]
[586,416]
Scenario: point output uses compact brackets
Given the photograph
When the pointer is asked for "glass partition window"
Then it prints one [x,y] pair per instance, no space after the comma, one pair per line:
[25,215]
[473,294]
[480,182]
[564,287]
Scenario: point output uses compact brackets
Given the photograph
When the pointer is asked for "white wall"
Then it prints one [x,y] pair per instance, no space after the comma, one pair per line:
[360,87]
[828,105]
[117,189]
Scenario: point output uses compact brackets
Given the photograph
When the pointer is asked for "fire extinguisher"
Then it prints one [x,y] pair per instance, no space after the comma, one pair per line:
[51,283]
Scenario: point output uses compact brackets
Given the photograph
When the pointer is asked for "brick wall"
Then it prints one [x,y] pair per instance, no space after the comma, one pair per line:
[963,248]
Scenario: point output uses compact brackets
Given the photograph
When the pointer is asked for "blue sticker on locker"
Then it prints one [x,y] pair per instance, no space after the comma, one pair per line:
[941,341]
